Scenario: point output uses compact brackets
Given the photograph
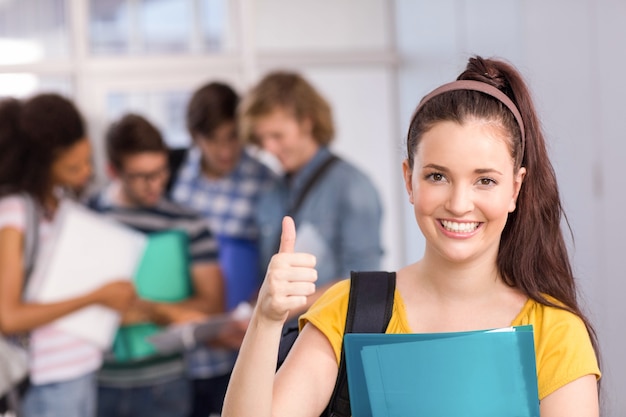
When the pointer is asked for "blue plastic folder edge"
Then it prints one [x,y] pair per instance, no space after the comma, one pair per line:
[371,345]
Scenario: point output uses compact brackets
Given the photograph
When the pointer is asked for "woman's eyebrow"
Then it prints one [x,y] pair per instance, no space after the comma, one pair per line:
[477,170]
[487,171]
[436,167]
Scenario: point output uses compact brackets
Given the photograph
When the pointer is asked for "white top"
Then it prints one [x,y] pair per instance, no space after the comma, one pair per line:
[55,356]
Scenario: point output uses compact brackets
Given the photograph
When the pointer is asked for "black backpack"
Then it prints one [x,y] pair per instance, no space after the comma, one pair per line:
[370,306]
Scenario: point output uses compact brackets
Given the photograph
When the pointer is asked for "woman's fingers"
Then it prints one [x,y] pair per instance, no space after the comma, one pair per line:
[290,276]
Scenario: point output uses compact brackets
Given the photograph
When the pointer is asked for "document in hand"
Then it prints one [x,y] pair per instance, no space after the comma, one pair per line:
[87,250]
[488,373]
[163,275]
[179,337]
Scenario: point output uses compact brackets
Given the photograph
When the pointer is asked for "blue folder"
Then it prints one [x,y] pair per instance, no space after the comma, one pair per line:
[469,374]
[239,260]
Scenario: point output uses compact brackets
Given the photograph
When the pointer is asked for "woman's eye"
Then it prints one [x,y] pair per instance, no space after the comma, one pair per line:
[486,181]
[435,177]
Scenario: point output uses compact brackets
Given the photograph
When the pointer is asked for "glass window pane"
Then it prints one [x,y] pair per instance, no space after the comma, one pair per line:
[33,30]
[166,110]
[109,26]
[158,26]
[214,21]
[165,25]
[21,85]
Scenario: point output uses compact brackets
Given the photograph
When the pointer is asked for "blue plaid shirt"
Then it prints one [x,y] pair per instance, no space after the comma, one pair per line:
[229,204]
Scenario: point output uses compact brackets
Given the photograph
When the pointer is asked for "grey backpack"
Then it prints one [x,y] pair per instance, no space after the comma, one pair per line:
[13,358]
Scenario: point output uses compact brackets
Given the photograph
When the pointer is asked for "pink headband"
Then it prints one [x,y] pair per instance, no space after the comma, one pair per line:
[483,88]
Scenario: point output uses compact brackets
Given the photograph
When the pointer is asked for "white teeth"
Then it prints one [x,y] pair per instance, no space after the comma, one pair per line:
[459,227]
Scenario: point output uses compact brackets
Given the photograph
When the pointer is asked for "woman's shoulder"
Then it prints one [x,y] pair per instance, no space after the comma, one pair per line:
[541,314]
[331,307]
[563,345]
[328,314]
[12,200]
[12,210]
[336,295]
[11,204]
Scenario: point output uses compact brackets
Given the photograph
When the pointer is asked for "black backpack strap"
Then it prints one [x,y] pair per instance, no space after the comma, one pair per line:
[369,310]
[175,161]
[302,196]
[311,182]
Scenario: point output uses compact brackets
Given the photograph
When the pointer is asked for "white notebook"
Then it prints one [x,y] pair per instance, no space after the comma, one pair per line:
[86,251]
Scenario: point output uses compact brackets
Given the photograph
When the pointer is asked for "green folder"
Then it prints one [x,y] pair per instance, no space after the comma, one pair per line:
[469,374]
[162,275]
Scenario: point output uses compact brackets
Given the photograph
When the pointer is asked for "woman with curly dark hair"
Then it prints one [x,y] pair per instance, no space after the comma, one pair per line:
[44,154]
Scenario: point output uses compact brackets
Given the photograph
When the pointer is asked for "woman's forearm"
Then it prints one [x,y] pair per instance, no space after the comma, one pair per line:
[28,316]
[251,384]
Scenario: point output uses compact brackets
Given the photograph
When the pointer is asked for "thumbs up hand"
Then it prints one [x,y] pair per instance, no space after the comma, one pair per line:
[290,277]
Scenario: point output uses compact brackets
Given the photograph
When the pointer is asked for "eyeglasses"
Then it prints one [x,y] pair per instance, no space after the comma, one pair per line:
[147,177]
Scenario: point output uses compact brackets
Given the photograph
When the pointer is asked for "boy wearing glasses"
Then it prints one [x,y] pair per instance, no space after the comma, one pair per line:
[138,164]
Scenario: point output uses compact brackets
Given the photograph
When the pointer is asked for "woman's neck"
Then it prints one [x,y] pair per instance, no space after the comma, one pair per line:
[442,296]
[475,279]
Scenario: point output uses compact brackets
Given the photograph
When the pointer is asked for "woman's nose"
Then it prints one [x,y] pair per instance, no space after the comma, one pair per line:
[460,200]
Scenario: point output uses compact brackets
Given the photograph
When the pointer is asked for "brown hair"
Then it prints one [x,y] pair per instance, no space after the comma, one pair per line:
[532,255]
[33,133]
[210,106]
[130,135]
[291,92]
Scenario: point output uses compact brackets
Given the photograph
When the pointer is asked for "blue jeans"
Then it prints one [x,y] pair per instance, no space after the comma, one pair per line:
[74,398]
[171,398]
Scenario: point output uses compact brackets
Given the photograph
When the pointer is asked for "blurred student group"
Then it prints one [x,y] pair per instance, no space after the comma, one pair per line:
[216,199]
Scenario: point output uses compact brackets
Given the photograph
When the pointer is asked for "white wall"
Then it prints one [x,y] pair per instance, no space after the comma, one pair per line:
[582,78]
[572,54]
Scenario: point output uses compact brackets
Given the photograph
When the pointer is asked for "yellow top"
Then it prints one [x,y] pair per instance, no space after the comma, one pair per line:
[562,344]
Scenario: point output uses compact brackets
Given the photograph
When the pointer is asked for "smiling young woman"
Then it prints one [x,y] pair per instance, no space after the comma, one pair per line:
[486,199]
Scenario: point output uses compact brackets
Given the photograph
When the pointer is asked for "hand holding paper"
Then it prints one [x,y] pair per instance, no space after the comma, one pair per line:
[117,295]
[89,257]
[222,329]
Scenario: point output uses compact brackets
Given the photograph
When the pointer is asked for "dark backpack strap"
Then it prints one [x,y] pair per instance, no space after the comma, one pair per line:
[293,210]
[175,161]
[310,183]
[369,310]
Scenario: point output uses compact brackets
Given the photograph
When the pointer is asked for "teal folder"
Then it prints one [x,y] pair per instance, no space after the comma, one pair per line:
[163,275]
[469,374]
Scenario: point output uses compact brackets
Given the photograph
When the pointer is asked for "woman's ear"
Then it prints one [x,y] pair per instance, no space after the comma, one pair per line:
[407,173]
[517,186]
